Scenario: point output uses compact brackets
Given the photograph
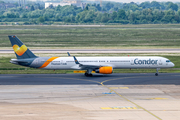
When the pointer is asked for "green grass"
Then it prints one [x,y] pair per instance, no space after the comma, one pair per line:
[109,36]
[95,37]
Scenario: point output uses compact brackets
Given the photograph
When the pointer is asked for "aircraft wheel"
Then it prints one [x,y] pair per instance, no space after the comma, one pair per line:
[156,74]
[88,75]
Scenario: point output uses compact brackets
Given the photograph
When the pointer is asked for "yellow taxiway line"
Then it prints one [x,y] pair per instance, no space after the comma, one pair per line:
[138,106]
[112,90]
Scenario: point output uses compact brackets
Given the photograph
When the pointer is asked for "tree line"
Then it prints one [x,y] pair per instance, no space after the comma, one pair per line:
[110,12]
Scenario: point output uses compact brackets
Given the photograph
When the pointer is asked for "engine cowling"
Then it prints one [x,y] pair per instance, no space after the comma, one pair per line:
[105,70]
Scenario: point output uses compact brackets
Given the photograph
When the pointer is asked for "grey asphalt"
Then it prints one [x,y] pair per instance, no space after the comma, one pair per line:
[119,96]
[80,79]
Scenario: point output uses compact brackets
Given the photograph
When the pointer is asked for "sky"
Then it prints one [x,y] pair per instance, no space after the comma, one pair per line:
[128,1]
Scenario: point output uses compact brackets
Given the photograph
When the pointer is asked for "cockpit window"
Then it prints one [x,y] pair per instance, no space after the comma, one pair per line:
[168,61]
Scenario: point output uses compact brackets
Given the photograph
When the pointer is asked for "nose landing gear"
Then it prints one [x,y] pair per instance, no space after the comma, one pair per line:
[156,74]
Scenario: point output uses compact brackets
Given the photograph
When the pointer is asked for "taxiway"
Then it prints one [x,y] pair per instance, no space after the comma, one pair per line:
[128,96]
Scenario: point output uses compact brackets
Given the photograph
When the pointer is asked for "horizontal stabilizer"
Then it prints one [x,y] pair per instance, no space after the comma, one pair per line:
[18,61]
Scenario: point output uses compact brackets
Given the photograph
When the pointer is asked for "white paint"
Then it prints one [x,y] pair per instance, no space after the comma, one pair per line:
[116,62]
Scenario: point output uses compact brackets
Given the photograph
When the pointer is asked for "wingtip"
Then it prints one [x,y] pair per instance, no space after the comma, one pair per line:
[11,35]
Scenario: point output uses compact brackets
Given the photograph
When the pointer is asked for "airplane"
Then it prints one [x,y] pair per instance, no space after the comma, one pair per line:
[102,65]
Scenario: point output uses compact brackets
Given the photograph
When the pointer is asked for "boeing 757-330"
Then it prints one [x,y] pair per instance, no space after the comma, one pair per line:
[103,65]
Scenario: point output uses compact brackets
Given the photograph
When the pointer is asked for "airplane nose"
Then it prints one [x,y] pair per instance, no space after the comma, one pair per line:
[173,65]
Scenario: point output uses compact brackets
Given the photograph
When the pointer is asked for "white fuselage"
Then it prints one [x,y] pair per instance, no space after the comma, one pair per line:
[68,63]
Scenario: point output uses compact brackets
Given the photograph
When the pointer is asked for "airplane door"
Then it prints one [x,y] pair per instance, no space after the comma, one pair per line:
[132,62]
[160,62]
[36,61]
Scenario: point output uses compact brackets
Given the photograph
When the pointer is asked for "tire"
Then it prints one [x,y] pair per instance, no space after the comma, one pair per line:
[88,75]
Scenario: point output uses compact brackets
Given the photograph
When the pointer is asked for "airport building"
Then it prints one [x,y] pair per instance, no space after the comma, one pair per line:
[63,3]
[78,3]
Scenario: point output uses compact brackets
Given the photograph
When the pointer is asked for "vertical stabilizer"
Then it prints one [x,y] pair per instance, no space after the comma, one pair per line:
[20,49]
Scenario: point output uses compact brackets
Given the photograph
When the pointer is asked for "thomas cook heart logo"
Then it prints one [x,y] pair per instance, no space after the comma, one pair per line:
[19,50]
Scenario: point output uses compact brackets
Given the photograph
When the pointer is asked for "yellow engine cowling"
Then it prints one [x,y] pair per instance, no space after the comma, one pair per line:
[105,70]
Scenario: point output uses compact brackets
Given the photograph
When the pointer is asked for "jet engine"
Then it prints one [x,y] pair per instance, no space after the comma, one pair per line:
[105,70]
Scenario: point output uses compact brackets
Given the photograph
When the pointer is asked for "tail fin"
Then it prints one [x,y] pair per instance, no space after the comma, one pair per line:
[20,49]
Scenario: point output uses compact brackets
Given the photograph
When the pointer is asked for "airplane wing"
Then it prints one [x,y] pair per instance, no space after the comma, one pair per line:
[103,69]
[88,66]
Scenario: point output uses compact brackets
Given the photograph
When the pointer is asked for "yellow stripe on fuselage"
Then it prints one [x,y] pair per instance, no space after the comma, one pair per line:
[48,61]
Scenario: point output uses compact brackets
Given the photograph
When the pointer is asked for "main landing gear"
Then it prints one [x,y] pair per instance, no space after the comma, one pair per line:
[156,74]
[88,73]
